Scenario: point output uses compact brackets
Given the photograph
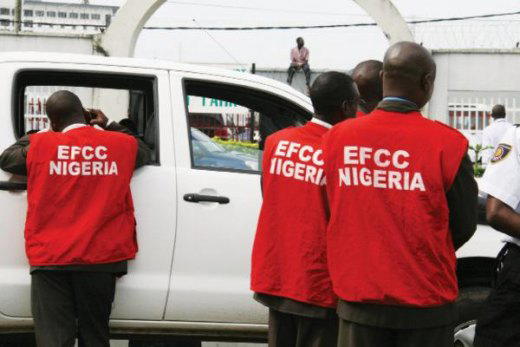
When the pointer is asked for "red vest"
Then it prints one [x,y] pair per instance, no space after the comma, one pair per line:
[360,113]
[289,254]
[80,208]
[389,240]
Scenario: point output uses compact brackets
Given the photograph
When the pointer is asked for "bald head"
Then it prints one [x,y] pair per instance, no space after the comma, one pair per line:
[409,72]
[367,76]
[498,111]
[64,108]
[334,96]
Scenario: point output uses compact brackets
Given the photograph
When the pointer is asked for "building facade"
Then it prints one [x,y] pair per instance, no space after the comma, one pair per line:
[54,17]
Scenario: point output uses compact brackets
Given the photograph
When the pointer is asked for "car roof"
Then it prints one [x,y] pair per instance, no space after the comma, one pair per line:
[50,57]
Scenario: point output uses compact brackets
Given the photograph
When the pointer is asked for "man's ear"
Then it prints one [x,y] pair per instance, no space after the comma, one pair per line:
[348,108]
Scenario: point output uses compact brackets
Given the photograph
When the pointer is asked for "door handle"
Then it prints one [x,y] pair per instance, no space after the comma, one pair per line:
[5,185]
[192,197]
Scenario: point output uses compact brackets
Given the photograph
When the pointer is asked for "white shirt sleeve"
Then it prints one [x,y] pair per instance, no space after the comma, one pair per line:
[502,176]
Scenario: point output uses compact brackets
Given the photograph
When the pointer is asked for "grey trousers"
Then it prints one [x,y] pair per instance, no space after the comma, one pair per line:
[289,330]
[306,70]
[357,335]
[69,304]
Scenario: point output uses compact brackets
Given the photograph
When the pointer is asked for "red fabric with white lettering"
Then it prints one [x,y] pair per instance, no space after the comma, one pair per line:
[289,254]
[82,214]
[389,240]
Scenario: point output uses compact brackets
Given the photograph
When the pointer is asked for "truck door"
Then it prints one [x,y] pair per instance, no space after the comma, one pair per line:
[219,194]
[139,98]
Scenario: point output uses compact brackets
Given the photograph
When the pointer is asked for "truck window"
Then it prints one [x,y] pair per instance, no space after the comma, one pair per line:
[129,100]
[228,124]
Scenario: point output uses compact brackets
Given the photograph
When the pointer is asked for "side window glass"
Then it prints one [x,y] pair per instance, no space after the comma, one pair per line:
[128,102]
[223,134]
[228,124]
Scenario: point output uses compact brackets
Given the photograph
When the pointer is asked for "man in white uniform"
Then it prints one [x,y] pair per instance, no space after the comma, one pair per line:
[499,322]
[494,132]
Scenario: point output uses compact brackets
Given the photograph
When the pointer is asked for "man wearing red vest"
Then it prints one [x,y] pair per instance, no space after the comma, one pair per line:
[367,76]
[289,264]
[80,226]
[402,199]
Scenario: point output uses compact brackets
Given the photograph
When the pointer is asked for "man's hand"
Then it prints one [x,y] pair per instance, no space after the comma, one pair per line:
[98,118]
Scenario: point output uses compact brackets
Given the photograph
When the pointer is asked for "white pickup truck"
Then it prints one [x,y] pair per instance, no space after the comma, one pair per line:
[196,204]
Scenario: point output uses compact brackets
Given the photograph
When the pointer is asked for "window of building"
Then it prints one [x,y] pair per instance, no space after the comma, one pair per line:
[137,93]
[85,16]
[4,11]
[62,15]
[28,13]
[28,24]
[39,13]
[95,16]
[228,124]
[51,14]
[4,22]
[73,15]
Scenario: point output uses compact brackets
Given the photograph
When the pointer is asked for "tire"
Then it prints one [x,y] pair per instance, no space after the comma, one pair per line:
[151,343]
[17,340]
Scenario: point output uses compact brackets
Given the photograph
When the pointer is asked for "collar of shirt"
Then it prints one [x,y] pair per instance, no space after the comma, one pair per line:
[321,122]
[398,99]
[499,120]
[395,104]
[73,126]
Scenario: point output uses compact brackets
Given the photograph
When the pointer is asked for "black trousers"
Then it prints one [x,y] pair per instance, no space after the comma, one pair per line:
[67,304]
[357,335]
[289,330]
[499,321]
[306,70]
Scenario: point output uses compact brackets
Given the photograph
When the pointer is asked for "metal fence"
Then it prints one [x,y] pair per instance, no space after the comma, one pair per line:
[471,114]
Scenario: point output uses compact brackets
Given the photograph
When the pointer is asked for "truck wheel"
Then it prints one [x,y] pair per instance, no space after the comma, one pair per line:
[17,340]
[149,343]
[469,304]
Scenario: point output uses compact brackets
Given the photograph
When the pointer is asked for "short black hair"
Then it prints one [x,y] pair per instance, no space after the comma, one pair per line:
[330,90]
[63,105]
[498,111]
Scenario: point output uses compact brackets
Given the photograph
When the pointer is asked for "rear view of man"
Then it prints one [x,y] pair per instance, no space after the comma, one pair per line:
[402,199]
[367,76]
[289,264]
[80,225]
[492,134]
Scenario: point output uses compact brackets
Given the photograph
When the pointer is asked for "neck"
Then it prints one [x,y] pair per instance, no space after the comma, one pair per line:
[369,106]
[59,128]
[325,119]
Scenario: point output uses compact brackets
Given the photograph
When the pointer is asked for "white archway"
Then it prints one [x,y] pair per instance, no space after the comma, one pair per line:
[388,18]
[121,36]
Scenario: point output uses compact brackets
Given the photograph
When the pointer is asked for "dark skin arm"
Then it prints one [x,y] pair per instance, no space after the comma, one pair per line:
[144,153]
[13,159]
[502,217]
[462,203]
